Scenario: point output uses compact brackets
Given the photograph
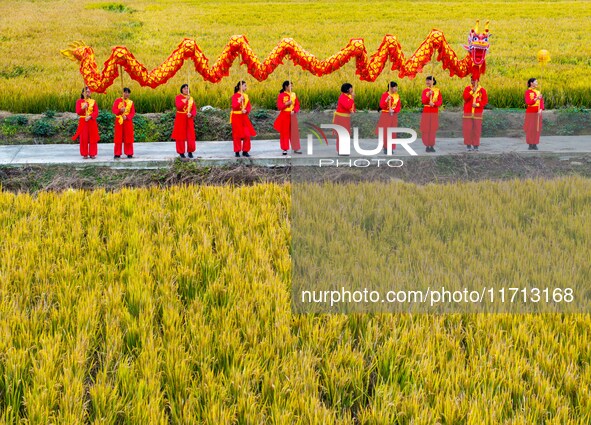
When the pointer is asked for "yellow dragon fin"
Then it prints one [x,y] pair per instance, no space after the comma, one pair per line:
[69,53]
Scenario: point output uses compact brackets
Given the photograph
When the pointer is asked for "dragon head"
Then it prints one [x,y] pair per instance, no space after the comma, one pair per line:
[76,51]
[478,43]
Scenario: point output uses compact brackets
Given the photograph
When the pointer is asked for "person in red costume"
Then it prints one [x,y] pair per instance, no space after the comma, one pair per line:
[431,99]
[475,99]
[287,122]
[183,131]
[124,111]
[390,107]
[87,130]
[242,129]
[345,107]
[533,114]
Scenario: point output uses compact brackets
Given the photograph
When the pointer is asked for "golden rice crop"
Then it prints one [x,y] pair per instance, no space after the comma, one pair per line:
[173,306]
[379,235]
[34,77]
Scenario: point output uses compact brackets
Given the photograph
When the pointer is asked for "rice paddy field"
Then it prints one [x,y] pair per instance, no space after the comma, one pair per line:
[35,78]
[151,306]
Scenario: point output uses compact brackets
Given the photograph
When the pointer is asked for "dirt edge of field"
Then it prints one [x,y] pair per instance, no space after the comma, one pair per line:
[440,170]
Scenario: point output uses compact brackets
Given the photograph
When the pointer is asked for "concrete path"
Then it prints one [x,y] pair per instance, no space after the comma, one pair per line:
[265,152]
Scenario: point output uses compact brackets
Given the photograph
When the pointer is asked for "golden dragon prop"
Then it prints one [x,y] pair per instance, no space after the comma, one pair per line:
[367,68]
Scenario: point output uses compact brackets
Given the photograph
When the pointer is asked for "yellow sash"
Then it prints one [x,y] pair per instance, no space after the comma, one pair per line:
[475,94]
[435,95]
[89,108]
[124,104]
[188,107]
[533,96]
[292,97]
[393,99]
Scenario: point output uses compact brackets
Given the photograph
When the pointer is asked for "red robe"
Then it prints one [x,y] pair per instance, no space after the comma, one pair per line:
[87,131]
[430,116]
[533,117]
[123,126]
[342,116]
[184,127]
[474,103]
[242,129]
[386,119]
[287,122]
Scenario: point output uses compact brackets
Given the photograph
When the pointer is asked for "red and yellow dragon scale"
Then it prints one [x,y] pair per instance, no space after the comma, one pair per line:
[367,67]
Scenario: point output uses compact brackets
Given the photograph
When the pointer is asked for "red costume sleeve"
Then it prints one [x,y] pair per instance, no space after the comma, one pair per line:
[236,105]
[79,110]
[194,109]
[426,100]
[248,107]
[398,106]
[280,101]
[115,109]
[349,103]
[180,103]
[346,103]
[95,111]
[131,112]
[484,100]
[296,108]
[467,95]
[384,101]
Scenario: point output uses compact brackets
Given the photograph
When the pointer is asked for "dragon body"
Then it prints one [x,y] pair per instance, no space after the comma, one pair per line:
[368,68]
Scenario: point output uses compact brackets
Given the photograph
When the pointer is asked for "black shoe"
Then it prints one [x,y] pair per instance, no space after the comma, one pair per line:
[117,157]
[237,154]
[298,152]
[182,155]
[428,149]
[246,154]
[432,148]
[385,151]
[190,154]
[534,147]
[284,152]
[469,148]
[475,148]
[130,156]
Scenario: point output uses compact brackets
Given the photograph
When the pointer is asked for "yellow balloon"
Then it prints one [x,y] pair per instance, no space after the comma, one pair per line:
[543,56]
